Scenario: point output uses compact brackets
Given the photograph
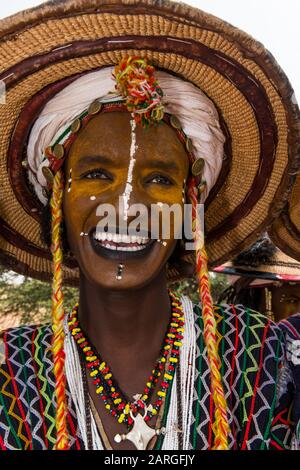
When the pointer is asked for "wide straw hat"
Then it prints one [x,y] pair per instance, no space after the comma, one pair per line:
[285,231]
[45,48]
[278,267]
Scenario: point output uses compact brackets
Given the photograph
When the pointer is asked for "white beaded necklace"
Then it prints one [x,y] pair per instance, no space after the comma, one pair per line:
[187,379]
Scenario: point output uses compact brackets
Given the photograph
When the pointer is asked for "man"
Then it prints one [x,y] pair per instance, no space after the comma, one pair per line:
[264,279]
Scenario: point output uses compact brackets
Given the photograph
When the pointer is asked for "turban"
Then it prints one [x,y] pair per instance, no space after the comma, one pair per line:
[195,111]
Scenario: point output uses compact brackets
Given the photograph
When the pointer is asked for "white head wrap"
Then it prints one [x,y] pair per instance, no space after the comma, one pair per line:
[196,113]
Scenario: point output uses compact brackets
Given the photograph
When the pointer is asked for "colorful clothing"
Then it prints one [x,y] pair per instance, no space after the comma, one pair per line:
[258,390]
[291,330]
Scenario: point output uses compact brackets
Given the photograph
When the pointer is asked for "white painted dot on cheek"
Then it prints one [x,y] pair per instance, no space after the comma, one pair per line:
[162,242]
[92,198]
[70,180]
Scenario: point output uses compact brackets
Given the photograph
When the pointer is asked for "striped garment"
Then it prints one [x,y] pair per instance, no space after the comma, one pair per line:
[291,331]
[257,378]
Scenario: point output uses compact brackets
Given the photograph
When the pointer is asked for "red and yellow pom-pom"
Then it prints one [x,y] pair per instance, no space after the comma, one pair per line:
[137,84]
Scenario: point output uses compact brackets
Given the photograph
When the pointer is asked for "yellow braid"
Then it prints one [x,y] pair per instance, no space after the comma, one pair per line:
[220,426]
[58,314]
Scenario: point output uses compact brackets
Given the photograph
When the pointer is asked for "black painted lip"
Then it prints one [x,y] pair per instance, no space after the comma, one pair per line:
[119,255]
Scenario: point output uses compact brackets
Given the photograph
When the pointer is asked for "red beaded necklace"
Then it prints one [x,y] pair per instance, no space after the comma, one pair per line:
[107,388]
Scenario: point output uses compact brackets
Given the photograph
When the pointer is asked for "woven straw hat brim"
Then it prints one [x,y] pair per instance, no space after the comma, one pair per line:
[45,48]
[285,231]
[279,267]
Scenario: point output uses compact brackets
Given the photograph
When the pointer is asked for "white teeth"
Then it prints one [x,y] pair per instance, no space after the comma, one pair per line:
[118,238]
[124,248]
[111,247]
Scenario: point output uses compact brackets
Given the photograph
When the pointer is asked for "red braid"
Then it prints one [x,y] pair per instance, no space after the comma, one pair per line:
[58,314]
[220,426]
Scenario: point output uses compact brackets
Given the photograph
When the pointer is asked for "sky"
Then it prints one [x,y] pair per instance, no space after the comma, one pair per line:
[275,23]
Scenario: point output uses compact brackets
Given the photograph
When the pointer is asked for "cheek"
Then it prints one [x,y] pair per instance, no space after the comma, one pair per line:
[77,206]
[168,214]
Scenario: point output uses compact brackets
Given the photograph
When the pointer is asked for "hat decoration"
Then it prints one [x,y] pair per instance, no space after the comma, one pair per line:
[137,84]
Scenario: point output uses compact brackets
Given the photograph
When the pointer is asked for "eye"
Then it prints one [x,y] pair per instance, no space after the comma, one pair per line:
[292,300]
[159,179]
[97,174]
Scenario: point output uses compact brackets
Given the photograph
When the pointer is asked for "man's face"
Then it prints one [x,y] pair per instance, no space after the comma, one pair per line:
[285,300]
[97,173]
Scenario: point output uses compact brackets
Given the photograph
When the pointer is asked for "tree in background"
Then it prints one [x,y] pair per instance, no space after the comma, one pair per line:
[24,300]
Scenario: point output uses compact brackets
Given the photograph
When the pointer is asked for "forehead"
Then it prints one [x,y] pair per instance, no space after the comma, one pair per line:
[290,289]
[109,134]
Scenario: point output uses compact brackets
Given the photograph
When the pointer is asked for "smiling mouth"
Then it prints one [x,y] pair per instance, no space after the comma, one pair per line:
[114,245]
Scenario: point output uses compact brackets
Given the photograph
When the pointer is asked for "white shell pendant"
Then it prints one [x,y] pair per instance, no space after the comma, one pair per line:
[141,434]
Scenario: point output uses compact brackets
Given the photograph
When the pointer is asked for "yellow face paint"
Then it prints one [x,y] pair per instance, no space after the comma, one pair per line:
[100,169]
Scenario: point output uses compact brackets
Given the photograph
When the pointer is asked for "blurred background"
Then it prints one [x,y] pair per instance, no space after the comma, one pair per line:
[274,23]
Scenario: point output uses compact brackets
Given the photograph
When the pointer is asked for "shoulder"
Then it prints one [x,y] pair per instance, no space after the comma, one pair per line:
[243,321]
[19,344]
[244,335]
[290,328]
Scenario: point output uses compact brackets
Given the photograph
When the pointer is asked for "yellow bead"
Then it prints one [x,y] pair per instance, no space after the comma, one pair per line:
[127,409]
[148,384]
[161,394]
[112,389]
[168,376]
[99,390]
[93,373]
[174,324]
[173,359]
[167,347]
[176,315]
[87,348]
[163,359]
[144,397]
[107,407]
[180,329]
[170,335]
[121,418]
[107,376]
[180,318]
[81,340]
[154,412]
[177,343]
[102,365]
[117,401]
[91,358]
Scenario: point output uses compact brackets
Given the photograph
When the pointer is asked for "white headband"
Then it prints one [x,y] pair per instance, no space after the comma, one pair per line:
[196,113]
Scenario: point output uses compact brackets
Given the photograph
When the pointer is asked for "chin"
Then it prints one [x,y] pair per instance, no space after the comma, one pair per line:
[116,265]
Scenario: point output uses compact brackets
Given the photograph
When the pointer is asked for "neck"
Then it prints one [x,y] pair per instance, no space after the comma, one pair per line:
[126,324]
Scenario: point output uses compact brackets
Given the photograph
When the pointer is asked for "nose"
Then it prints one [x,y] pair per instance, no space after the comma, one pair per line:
[131,205]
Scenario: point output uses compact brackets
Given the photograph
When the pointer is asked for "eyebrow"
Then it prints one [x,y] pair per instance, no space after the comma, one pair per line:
[170,165]
[96,159]
[91,159]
